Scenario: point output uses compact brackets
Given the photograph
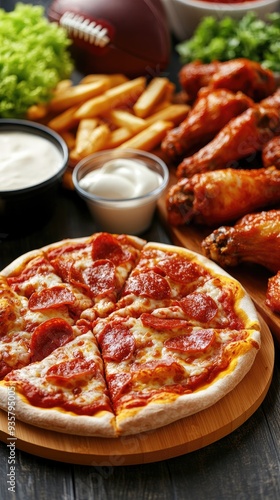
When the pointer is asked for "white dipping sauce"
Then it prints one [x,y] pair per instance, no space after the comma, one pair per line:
[121,185]
[26,159]
[121,179]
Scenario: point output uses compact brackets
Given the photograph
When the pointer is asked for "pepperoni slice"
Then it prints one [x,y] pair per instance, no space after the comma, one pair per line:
[148,284]
[48,336]
[157,323]
[97,280]
[180,270]
[100,277]
[118,385]
[51,298]
[197,342]
[199,306]
[106,246]
[62,267]
[73,372]
[117,343]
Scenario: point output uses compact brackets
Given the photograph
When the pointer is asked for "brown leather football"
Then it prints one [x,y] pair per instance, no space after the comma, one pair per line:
[115,36]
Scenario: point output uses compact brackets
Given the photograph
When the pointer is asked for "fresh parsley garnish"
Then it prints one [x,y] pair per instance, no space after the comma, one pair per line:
[229,38]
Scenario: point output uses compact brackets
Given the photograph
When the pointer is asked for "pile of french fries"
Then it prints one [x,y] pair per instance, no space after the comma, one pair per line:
[110,111]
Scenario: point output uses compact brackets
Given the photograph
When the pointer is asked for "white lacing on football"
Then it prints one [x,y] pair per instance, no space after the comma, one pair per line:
[81,27]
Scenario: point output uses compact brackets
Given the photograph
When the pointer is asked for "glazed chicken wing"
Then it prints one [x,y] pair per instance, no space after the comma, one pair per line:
[254,238]
[236,75]
[210,113]
[273,293]
[271,153]
[242,136]
[272,101]
[213,198]
[195,75]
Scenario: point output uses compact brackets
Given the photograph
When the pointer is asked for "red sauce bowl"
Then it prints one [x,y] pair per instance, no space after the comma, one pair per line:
[185,15]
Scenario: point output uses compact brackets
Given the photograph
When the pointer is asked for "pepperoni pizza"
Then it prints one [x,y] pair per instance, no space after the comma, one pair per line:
[111,335]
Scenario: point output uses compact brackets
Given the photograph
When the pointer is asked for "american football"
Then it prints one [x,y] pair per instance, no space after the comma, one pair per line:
[115,36]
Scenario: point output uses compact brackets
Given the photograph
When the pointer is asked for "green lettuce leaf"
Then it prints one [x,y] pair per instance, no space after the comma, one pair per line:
[34,57]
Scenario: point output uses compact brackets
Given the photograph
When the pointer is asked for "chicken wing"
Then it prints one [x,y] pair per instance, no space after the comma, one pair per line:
[273,293]
[254,238]
[213,198]
[272,101]
[236,75]
[210,113]
[241,137]
[271,153]
[195,75]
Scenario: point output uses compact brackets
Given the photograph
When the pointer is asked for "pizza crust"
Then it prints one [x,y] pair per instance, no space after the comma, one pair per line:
[23,259]
[55,419]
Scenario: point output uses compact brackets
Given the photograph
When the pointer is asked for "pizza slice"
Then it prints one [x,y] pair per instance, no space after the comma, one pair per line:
[159,370]
[162,275]
[38,312]
[65,391]
[185,335]
[93,271]
[98,265]
[51,295]
[34,277]
[171,281]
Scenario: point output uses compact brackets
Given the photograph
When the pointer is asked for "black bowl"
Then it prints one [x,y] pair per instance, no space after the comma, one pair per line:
[24,210]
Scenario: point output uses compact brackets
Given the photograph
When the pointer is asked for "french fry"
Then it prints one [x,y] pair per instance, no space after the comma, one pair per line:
[69,138]
[67,180]
[150,97]
[138,114]
[174,113]
[91,137]
[83,136]
[77,94]
[65,120]
[125,119]
[150,137]
[159,107]
[62,85]
[117,137]
[113,80]
[37,112]
[169,92]
[167,98]
[111,98]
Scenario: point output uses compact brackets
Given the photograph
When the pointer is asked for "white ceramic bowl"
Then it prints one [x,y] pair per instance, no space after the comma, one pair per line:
[111,208]
[185,15]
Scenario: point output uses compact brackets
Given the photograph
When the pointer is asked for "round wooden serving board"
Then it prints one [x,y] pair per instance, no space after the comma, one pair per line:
[176,439]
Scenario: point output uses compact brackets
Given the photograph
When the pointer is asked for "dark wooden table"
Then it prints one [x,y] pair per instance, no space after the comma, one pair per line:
[241,466]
